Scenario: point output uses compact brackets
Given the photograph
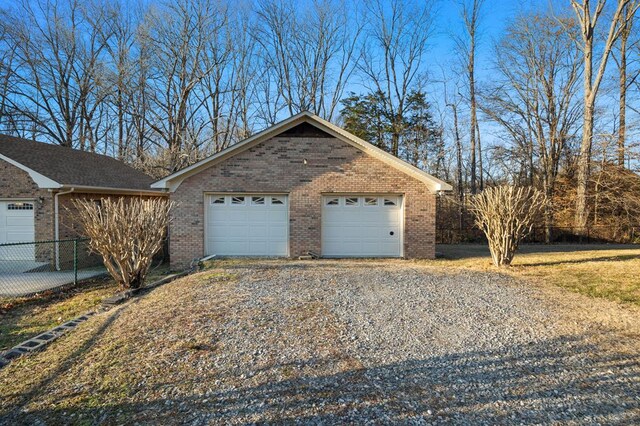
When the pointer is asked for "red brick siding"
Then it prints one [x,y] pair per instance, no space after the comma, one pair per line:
[17,184]
[69,226]
[277,165]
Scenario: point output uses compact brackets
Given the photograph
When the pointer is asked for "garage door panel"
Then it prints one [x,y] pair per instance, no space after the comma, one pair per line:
[255,228]
[389,248]
[17,226]
[257,231]
[257,247]
[277,233]
[363,228]
[256,215]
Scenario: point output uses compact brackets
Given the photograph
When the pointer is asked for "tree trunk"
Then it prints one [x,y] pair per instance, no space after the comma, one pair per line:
[584,160]
[548,214]
[623,93]
[472,133]
[459,165]
[588,24]
[480,169]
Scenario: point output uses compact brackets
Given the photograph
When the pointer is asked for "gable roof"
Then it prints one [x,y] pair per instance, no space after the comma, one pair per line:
[54,166]
[172,181]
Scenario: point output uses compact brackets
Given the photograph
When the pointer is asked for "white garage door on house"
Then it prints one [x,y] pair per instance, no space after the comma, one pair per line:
[247,225]
[17,226]
[362,226]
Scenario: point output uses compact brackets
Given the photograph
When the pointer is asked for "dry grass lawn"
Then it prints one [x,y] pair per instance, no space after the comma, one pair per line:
[607,271]
[222,344]
[24,317]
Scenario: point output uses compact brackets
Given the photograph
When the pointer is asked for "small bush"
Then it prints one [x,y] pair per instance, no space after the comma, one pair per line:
[506,215]
[127,233]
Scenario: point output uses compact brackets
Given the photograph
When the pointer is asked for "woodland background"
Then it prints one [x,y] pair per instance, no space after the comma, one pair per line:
[475,92]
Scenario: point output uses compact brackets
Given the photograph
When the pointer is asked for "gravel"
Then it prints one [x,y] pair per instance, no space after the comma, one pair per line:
[334,342]
[416,345]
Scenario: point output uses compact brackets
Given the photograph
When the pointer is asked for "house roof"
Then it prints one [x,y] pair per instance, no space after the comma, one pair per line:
[172,181]
[54,166]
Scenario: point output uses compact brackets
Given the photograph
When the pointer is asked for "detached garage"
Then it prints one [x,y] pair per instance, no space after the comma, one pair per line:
[302,186]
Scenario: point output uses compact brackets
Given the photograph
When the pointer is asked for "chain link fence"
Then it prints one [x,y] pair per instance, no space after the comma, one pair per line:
[33,267]
[597,234]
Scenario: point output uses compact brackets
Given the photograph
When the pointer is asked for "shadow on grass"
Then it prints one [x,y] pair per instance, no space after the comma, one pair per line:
[76,356]
[470,251]
[620,258]
[25,317]
[566,379]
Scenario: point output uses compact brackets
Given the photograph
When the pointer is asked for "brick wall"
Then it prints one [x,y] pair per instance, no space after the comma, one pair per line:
[277,165]
[17,184]
[69,225]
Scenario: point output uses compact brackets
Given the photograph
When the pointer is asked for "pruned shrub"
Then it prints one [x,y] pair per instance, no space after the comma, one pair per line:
[506,214]
[127,233]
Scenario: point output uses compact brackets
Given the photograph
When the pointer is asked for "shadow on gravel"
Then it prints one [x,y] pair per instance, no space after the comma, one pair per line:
[560,380]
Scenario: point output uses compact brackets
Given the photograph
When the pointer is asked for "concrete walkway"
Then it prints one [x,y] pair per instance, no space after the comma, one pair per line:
[22,284]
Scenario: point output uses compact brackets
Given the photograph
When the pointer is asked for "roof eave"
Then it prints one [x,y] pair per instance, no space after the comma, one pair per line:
[87,189]
[41,180]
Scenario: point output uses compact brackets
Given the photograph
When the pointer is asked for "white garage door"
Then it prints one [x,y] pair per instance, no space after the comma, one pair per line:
[362,226]
[247,225]
[17,226]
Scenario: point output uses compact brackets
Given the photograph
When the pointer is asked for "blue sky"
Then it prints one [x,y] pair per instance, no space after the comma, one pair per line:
[495,17]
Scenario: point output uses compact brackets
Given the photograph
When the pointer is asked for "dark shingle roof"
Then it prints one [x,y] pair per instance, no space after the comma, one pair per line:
[69,166]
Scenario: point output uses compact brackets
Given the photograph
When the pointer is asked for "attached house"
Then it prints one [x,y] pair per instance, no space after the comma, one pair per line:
[38,182]
[302,186]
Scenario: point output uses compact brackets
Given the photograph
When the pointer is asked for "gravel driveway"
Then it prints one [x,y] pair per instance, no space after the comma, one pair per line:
[351,341]
[392,342]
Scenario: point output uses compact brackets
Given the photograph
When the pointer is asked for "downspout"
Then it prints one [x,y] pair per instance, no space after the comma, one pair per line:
[56,224]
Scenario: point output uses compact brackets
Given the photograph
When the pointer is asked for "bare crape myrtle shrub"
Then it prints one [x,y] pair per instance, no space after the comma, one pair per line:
[127,233]
[506,214]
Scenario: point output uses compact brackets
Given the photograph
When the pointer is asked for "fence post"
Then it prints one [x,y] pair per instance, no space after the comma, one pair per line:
[75,261]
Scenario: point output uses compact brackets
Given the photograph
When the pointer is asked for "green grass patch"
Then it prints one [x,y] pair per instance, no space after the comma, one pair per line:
[603,271]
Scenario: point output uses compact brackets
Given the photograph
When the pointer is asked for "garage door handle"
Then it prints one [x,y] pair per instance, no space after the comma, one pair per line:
[391,233]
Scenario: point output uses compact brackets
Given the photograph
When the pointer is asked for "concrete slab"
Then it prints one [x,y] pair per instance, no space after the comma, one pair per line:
[21,266]
[22,284]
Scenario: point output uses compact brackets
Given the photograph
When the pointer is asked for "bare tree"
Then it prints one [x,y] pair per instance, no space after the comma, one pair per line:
[309,52]
[626,78]
[227,92]
[506,215]
[453,102]
[397,36]
[470,11]
[7,59]
[56,55]
[118,31]
[534,97]
[127,233]
[588,20]
[178,39]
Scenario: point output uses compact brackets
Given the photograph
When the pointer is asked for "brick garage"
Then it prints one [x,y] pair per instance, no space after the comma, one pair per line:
[35,176]
[307,159]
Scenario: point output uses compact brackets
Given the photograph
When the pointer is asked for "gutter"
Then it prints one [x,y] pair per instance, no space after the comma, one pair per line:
[110,190]
[56,223]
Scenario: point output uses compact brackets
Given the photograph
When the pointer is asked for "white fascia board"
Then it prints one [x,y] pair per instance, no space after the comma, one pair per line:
[392,160]
[42,181]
